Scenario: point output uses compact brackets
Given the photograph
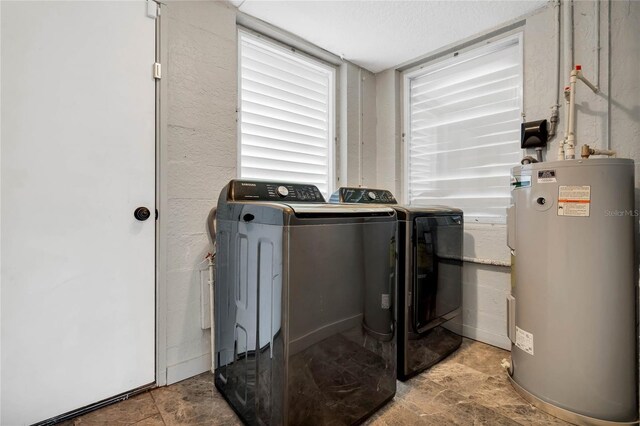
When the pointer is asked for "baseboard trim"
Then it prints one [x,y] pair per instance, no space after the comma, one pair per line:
[500,341]
[190,368]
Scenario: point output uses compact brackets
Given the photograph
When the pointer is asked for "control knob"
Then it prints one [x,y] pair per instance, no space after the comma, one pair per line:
[283,191]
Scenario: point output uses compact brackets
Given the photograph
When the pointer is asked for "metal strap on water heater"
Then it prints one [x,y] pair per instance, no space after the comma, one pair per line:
[511,318]
[511,227]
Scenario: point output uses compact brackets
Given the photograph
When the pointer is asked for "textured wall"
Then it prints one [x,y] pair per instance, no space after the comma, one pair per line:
[592,108]
[350,170]
[356,164]
[201,70]
[368,120]
[388,136]
[485,287]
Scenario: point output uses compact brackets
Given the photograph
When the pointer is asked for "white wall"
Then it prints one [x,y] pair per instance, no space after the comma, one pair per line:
[368,124]
[485,286]
[201,69]
[388,131]
[357,122]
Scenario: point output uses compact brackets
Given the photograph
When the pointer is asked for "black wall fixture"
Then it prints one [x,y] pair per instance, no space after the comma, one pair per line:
[534,134]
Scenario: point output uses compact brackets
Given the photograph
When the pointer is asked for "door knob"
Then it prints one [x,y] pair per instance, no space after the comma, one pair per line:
[142,213]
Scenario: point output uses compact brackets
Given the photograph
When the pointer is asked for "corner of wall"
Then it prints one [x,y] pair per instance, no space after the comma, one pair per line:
[357,163]
[368,127]
[201,157]
[388,131]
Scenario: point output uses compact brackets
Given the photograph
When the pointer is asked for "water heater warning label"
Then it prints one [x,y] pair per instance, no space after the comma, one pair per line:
[574,200]
[524,340]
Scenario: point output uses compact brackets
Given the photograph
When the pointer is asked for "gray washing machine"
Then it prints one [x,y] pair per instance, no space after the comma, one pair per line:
[429,278]
[304,319]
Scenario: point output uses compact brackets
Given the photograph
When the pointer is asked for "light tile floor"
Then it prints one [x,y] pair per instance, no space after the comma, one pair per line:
[468,388]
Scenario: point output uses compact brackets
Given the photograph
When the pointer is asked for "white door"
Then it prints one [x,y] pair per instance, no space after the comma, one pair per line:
[77,158]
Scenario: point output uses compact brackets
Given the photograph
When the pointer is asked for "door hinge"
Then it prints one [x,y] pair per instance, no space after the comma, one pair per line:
[152,9]
[157,71]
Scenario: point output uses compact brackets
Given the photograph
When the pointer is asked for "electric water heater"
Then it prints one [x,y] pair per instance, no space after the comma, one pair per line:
[572,310]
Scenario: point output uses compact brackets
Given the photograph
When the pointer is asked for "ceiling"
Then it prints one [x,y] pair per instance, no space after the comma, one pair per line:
[380,34]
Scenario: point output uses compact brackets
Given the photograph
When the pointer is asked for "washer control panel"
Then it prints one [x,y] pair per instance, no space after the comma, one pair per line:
[363,196]
[256,190]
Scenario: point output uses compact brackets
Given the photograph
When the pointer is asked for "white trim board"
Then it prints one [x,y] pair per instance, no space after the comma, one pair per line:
[484,336]
[190,368]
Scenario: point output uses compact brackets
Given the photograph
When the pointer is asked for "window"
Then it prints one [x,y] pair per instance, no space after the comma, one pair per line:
[462,124]
[287,104]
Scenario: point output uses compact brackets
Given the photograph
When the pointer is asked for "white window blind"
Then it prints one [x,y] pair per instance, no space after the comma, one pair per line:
[287,104]
[463,126]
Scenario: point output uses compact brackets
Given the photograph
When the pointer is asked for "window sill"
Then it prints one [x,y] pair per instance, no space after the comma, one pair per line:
[486,243]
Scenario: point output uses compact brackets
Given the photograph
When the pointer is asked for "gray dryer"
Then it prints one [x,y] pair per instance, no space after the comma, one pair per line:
[429,278]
